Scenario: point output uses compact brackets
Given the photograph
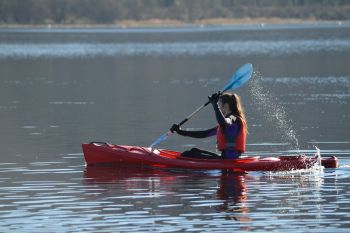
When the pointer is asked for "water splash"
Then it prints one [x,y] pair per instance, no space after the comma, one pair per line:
[272,111]
[317,168]
[318,156]
[313,173]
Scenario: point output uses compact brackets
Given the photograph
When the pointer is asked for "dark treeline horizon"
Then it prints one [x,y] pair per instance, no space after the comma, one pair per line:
[112,11]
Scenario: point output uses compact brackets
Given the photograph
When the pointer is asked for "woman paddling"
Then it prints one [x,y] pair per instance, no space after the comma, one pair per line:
[231,130]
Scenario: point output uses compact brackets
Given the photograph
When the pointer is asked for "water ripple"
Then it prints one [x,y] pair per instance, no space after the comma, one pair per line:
[169,49]
[147,200]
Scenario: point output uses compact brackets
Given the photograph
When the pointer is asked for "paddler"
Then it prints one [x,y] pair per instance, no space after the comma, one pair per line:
[231,131]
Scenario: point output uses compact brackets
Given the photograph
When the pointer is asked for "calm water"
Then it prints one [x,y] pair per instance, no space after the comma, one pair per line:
[60,88]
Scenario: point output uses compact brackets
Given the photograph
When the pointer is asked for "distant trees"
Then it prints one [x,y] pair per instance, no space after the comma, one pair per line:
[111,11]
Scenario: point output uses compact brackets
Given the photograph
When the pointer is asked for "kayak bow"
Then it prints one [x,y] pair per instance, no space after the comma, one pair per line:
[104,153]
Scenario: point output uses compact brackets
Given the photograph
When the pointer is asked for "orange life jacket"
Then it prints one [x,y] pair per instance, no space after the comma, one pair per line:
[230,140]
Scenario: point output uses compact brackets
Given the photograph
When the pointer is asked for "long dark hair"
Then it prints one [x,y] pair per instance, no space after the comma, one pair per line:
[235,104]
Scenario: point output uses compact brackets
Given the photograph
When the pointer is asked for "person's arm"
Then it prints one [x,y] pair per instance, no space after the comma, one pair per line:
[219,116]
[194,134]
[223,122]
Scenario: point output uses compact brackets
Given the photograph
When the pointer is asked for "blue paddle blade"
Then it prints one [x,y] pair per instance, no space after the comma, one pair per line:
[240,77]
[163,137]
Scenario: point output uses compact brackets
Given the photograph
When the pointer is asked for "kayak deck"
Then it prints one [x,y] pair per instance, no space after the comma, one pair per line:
[104,153]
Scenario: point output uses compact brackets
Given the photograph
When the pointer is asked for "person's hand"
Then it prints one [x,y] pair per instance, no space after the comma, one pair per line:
[175,128]
[214,98]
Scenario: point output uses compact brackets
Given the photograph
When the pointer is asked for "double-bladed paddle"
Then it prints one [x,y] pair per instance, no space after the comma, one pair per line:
[240,77]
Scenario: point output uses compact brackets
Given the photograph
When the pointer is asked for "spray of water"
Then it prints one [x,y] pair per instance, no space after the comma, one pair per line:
[272,110]
[313,173]
[318,156]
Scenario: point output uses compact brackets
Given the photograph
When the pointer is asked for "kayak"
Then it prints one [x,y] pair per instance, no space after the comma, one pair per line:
[105,153]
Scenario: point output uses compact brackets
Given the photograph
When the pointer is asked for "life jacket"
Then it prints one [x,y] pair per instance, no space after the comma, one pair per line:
[232,138]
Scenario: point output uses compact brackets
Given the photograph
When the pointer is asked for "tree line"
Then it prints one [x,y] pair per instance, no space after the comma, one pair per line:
[112,11]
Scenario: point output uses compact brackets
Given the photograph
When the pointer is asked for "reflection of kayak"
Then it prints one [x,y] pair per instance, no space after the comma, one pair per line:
[103,153]
[230,187]
[105,174]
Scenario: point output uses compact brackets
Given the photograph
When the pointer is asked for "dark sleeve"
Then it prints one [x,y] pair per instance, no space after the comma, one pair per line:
[198,134]
[219,117]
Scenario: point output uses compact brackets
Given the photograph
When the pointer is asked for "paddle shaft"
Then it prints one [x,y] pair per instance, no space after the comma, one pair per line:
[167,134]
[193,113]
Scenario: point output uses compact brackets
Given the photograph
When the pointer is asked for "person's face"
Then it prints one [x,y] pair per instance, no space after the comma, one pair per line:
[225,108]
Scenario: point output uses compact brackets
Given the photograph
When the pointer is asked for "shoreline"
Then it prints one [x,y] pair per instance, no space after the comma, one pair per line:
[166,23]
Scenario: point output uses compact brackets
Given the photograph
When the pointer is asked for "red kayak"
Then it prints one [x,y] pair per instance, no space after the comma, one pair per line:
[105,153]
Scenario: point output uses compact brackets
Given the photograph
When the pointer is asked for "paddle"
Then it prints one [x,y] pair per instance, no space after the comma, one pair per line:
[240,77]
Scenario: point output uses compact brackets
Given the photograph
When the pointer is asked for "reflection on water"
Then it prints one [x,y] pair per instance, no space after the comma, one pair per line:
[233,196]
[144,199]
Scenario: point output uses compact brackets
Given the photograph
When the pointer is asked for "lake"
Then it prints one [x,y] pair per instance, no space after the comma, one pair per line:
[60,88]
